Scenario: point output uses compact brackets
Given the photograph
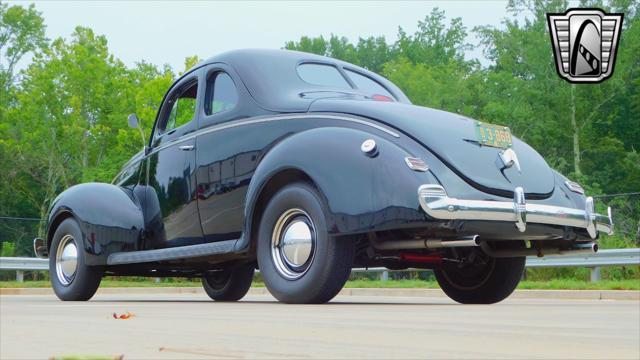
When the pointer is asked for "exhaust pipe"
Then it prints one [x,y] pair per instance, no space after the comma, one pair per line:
[469,241]
[589,248]
[473,241]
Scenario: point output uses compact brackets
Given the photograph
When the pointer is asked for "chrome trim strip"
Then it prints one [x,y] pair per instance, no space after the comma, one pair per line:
[437,204]
[242,122]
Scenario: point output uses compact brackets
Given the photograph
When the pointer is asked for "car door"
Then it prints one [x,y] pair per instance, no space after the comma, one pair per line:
[225,164]
[171,204]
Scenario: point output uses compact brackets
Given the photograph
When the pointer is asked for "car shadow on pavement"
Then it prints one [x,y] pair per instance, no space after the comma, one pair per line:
[273,302]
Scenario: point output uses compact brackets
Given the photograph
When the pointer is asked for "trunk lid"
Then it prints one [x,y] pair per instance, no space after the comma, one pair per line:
[452,138]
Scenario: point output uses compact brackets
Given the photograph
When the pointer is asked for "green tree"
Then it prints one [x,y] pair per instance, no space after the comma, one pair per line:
[434,42]
[21,33]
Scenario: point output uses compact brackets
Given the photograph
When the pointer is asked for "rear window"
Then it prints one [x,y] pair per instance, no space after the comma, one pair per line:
[323,75]
[367,84]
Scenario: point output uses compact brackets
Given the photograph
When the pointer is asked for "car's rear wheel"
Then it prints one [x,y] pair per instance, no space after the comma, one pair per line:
[481,279]
[230,284]
[299,261]
[71,278]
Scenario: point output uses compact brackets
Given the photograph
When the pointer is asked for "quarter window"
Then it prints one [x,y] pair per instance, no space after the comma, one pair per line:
[367,84]
[222,94]
[321,74]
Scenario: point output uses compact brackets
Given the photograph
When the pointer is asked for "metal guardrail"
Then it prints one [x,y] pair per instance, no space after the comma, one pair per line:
[23,263]
[610,257]
[20,264]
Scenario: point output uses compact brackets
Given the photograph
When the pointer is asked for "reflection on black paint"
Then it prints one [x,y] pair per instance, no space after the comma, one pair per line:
[226,162]
[173,218]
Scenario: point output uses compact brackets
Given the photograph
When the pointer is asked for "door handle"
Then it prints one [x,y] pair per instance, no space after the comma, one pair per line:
[186,147]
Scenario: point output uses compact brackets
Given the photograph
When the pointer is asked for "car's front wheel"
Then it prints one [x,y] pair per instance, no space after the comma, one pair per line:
[230,284]
[71,278]
[299,261]
[480,279]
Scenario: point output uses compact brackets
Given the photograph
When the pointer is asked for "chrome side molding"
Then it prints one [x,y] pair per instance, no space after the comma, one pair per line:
[437,204]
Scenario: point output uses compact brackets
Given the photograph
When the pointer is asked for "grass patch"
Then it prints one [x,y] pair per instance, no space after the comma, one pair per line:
[557,284]
[568,284]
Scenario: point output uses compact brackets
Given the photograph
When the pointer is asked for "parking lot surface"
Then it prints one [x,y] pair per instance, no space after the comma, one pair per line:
[185,326]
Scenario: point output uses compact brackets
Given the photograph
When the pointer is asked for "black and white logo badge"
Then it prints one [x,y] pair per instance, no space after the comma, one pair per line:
[585,42]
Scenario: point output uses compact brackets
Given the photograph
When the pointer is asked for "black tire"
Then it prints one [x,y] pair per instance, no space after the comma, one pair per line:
[84,283]
[329,263]
[230,284]
[487,283]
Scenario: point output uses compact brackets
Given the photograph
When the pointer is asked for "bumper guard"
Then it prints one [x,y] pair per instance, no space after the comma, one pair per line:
[437,204]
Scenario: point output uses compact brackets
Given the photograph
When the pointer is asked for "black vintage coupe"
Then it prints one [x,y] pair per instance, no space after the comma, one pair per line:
[305,167]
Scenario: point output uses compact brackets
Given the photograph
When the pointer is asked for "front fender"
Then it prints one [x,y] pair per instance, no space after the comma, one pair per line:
[362,193]
[109,216]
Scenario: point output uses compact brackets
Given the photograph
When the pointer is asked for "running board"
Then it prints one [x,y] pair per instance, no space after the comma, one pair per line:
[175,253]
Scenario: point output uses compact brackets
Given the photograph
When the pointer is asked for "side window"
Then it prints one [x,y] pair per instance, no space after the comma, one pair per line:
[367,84]
[321,74]
[183,108]
[221,94]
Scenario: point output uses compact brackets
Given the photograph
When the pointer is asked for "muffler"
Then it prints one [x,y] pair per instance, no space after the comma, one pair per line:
[464,242]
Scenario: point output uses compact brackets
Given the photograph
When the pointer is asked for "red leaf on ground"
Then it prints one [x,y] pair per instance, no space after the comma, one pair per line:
[124,316]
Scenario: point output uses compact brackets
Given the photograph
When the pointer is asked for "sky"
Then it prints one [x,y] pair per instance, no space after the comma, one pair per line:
[165,32]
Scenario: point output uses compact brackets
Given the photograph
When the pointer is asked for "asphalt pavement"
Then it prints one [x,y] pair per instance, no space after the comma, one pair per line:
[186,326]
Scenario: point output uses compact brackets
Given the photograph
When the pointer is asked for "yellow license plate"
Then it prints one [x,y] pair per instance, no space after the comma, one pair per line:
[493,135]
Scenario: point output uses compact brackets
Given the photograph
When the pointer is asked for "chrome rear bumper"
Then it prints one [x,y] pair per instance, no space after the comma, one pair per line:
[437,204]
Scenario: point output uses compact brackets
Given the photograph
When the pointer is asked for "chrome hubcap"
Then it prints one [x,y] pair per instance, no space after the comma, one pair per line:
[66,260]
[293,243]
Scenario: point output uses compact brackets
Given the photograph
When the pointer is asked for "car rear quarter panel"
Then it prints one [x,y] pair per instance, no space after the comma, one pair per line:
[361,193]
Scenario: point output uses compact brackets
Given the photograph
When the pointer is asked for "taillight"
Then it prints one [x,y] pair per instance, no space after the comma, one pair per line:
[378,97]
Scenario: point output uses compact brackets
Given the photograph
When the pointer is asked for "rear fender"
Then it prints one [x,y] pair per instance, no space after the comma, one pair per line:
[361,193]
[109,216]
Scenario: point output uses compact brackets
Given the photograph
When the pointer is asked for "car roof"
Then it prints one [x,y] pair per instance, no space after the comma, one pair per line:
[271,77]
